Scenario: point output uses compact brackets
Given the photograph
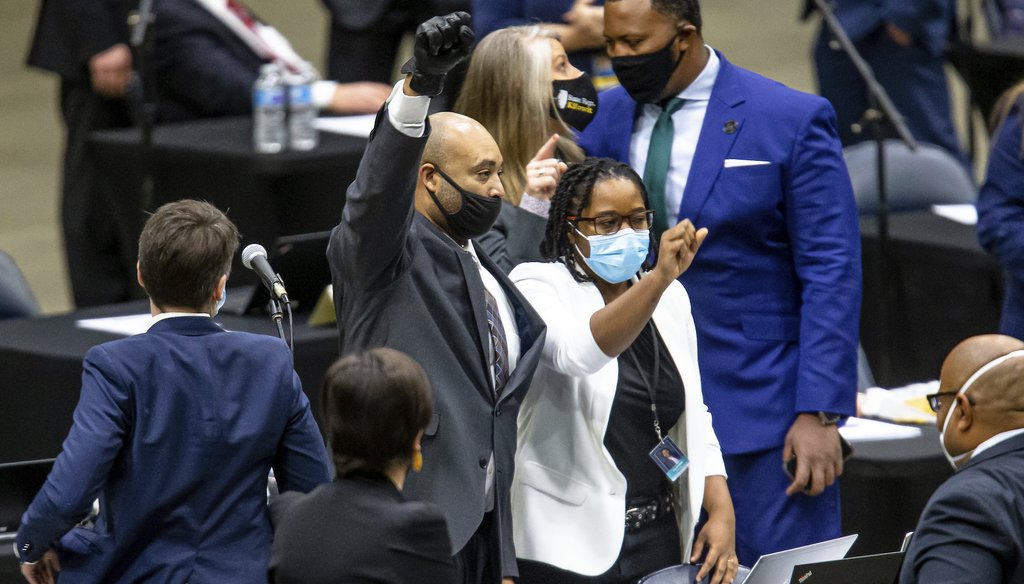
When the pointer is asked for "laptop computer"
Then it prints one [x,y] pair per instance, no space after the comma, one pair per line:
[874,569]
[19,483]
[777,568]
[301,261]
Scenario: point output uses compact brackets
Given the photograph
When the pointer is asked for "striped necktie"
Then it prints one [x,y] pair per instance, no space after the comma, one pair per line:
[659,158]
[500,345]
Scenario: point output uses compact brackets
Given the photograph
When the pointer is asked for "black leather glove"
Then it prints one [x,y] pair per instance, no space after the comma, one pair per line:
[441,43]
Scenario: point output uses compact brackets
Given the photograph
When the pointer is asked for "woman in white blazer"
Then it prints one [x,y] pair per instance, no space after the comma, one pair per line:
[620,340]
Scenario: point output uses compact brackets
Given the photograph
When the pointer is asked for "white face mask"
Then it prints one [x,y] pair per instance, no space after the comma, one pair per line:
[955,461]
[223,298]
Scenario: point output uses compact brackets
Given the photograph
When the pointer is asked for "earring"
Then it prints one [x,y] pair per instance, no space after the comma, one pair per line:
[417,461]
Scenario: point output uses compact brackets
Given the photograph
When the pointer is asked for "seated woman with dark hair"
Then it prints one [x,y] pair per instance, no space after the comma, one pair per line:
[360,528]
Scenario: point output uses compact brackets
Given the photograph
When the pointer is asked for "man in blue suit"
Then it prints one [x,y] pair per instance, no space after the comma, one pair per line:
[776,289]
[971,530]
[175,432]
[904,42]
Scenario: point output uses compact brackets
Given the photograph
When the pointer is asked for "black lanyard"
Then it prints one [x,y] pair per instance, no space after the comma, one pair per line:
[652,388]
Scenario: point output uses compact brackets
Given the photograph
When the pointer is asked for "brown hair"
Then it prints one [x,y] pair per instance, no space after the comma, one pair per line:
[508,90]
[374,403]
[185,247]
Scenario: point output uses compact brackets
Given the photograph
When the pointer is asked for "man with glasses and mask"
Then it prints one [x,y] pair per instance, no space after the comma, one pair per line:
[407,275]
[972,529]
[776,289]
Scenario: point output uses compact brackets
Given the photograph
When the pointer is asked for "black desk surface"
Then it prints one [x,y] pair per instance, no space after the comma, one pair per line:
[944,288]
[41,368]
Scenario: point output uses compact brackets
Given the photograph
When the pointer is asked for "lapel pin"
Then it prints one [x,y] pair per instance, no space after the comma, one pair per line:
[729,127]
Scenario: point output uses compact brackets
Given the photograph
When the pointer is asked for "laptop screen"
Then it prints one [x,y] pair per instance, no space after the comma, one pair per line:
[777,568]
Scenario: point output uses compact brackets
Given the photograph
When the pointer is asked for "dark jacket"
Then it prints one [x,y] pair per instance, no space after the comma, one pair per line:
[972,529]
[69,32]
[358,529]
[175,432]
[401,282]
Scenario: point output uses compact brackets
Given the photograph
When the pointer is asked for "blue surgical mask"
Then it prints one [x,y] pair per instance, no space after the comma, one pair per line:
[617,257]
[223,299]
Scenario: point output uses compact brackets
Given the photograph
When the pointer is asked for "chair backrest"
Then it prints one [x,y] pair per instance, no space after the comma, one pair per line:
[16,298]
[914,180]
[685,573]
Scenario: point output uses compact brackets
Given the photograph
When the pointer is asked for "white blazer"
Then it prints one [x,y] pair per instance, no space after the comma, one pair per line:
[568,497]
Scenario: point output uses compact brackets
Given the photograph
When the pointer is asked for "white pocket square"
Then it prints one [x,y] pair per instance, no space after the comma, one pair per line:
[738,162]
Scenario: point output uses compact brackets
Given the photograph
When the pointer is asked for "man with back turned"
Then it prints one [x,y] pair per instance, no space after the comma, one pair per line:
[407,275]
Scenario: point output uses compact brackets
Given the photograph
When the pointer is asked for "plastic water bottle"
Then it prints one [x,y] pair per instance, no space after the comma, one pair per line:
[302,112]
[269,133]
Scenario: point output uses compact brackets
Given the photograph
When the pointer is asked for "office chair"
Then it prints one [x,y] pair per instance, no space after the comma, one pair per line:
[16,298]
[914,180]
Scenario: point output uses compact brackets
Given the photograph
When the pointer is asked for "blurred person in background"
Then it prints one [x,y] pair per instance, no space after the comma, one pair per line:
[207,56]
[577,24]
[86,45]
[1001,205]
[360,528]
[523,89]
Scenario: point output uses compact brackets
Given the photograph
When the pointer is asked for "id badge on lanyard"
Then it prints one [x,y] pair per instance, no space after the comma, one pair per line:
[666,453]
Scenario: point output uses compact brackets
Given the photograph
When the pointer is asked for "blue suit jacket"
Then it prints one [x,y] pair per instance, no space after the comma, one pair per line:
[927,21]
[1001,218]
[175,432]
[972,529]
[776,286]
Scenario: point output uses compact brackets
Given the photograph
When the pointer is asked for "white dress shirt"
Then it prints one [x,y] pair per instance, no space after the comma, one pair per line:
[687,122]
[165,315]
[269,44]
[1001,437]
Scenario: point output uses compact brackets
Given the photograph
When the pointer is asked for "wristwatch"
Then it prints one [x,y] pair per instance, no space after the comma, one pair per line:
[828,419]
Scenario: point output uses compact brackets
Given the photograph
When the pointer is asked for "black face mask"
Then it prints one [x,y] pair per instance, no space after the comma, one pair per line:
[474,218]
[576,100]
[645,76]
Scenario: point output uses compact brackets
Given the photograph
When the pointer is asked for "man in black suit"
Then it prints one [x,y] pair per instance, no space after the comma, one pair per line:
[207,56]
[972,528]
[408,276]
[85,43]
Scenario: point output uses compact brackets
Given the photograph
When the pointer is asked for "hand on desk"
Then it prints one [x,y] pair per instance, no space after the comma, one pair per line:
[111,70]
[44,571]
[819,458]
[361,97]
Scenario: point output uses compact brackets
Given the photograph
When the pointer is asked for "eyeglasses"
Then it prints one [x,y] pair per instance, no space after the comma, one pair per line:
[611,223]
[933,399]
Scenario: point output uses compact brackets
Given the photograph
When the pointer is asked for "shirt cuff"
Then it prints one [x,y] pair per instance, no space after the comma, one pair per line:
[539,207]
[408,113]
[323,93]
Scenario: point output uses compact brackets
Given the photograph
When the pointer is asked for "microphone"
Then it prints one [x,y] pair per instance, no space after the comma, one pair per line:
[254,257]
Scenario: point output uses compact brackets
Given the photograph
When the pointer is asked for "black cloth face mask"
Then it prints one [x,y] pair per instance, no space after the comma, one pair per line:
[645,76]
[576,100]
[475,216]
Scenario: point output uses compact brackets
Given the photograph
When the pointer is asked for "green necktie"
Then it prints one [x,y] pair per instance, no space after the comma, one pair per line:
[659,156]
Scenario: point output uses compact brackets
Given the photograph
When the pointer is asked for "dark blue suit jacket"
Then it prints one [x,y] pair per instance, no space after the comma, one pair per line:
[775,289]
[175,432]
[972,529]
[1001,218]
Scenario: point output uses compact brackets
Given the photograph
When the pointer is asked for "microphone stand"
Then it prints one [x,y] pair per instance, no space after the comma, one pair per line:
[881,112]
[277,315]
[142,91]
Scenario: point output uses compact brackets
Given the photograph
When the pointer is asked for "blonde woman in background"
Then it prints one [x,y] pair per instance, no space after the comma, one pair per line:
[523,89]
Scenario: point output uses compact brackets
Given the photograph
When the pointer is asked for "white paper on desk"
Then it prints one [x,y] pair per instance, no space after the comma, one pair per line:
[359,126]
[133,324]
[865,430]
[966,214]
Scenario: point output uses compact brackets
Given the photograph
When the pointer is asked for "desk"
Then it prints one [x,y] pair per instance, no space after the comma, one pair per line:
[885,486]
[41,371]
[266,195]
[946,288]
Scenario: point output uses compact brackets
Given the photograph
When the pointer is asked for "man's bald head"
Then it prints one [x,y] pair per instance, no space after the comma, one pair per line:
[461,148]
[994,403]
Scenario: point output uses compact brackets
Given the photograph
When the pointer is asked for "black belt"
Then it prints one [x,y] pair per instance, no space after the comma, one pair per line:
[643,510]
